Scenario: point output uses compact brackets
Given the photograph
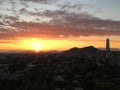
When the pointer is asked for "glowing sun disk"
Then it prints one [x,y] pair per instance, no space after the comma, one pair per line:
[36,46]
[32,44]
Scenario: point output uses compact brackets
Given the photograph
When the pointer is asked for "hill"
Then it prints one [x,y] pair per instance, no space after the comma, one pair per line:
[86,51]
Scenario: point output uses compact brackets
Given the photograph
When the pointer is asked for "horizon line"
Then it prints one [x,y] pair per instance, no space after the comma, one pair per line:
[42,51]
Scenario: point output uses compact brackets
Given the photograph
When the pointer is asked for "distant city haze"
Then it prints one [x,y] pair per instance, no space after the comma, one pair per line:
[43,25]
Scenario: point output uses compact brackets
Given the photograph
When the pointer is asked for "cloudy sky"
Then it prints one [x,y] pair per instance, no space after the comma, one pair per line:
[58,24]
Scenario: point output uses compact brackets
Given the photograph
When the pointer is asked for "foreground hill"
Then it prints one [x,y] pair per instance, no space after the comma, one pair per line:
[90,50]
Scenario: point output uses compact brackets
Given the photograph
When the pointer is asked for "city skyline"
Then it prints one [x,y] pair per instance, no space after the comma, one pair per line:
[57,24]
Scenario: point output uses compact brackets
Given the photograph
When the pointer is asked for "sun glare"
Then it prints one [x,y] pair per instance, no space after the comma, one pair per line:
[36,46]
[32,44]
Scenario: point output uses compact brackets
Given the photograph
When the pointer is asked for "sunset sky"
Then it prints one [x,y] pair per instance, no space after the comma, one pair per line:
[58,24]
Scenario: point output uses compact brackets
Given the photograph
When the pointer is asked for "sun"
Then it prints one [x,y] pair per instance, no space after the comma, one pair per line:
[36,46]
[32,44]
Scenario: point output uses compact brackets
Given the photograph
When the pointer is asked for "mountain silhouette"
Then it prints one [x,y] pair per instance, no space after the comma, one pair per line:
[86,51]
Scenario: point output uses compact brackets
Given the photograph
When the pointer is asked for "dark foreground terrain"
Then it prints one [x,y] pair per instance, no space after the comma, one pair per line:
[86,69]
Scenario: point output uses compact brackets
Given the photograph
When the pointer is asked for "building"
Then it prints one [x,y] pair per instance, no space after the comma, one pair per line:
[109,56]
[107,45]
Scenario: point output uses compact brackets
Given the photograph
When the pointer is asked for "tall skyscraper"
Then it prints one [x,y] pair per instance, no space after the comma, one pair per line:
[107,45]
[109,56]
[107,51]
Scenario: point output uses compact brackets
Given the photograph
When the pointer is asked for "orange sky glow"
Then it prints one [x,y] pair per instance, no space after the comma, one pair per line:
[39,44]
